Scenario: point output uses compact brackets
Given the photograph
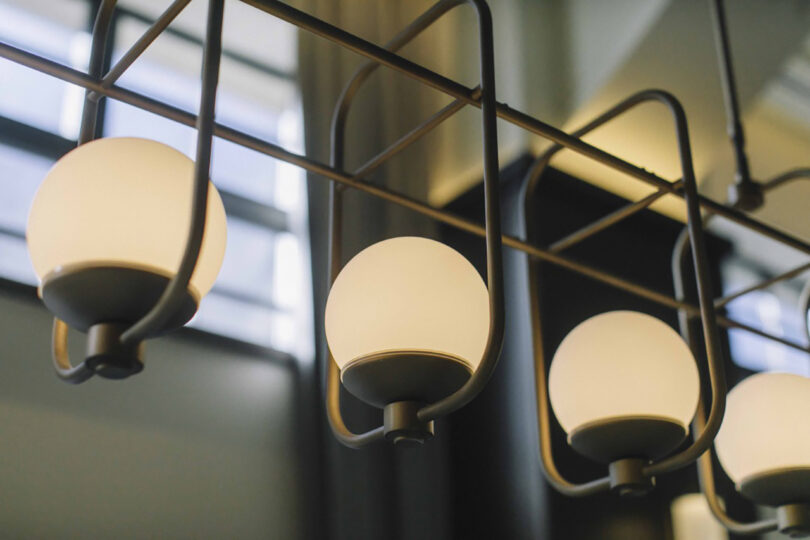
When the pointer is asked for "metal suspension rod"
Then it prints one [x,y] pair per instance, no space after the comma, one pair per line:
[178,285]
[720,302]
[735,129]
[173,113]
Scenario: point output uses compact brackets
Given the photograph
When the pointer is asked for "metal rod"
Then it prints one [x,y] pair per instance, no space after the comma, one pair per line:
[173,113]
[720,302]
[736,132]
[143,42]
[603,223]
[98,49]
[494,243]
[176,289]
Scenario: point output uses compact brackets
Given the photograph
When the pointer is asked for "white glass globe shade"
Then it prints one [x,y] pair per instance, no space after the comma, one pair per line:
[127,202]
[408,294]
[765,428]
[623,364]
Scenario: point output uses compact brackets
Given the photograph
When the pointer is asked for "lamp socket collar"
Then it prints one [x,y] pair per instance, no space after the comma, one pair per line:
[627,477]
[402,425]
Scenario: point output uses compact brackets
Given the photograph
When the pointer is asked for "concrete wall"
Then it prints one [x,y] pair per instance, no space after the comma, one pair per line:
[199,445]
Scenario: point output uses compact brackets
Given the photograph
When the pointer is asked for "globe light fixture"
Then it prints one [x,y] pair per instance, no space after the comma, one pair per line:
[764,442]
[106,232]
[624,385]
[407,320]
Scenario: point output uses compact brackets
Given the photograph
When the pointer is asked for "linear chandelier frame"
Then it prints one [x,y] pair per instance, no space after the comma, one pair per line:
[105,86]
[99,84]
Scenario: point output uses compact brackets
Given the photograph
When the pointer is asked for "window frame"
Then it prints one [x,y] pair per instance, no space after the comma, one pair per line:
[43,143]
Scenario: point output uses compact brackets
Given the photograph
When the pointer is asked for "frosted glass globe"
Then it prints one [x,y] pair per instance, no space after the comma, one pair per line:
[408,294]
[623,364]
[765,428]
[127,202]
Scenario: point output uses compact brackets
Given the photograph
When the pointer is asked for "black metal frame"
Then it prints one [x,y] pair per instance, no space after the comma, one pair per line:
[482,97]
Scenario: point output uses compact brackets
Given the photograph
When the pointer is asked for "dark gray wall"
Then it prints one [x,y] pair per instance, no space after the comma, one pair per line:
[201,444]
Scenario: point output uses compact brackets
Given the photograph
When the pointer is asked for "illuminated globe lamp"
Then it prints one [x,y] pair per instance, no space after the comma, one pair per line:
[106,232]
[624,386]
[764,445]
[407,321]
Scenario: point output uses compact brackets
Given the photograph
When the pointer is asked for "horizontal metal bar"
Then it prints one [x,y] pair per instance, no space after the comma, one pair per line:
[167,111]
[762,285]
[605,222]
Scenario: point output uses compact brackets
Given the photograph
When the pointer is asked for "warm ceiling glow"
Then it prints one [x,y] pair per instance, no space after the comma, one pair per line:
[127,202]
[408,294]
[623,364]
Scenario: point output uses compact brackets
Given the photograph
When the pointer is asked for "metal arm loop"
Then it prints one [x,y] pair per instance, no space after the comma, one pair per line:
[173,294]
[705,466]
[337,157]
[707,311]
[61,360]
[492,202]
[87,132]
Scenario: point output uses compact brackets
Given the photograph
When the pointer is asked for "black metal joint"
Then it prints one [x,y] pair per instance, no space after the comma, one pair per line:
[402,425]
[627,477]
[794,520]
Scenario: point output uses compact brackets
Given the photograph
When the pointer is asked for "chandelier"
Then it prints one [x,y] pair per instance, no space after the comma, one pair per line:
[411,327]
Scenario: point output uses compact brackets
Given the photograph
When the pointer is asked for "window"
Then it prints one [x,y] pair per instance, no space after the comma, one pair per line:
[774,310]
[262,294]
